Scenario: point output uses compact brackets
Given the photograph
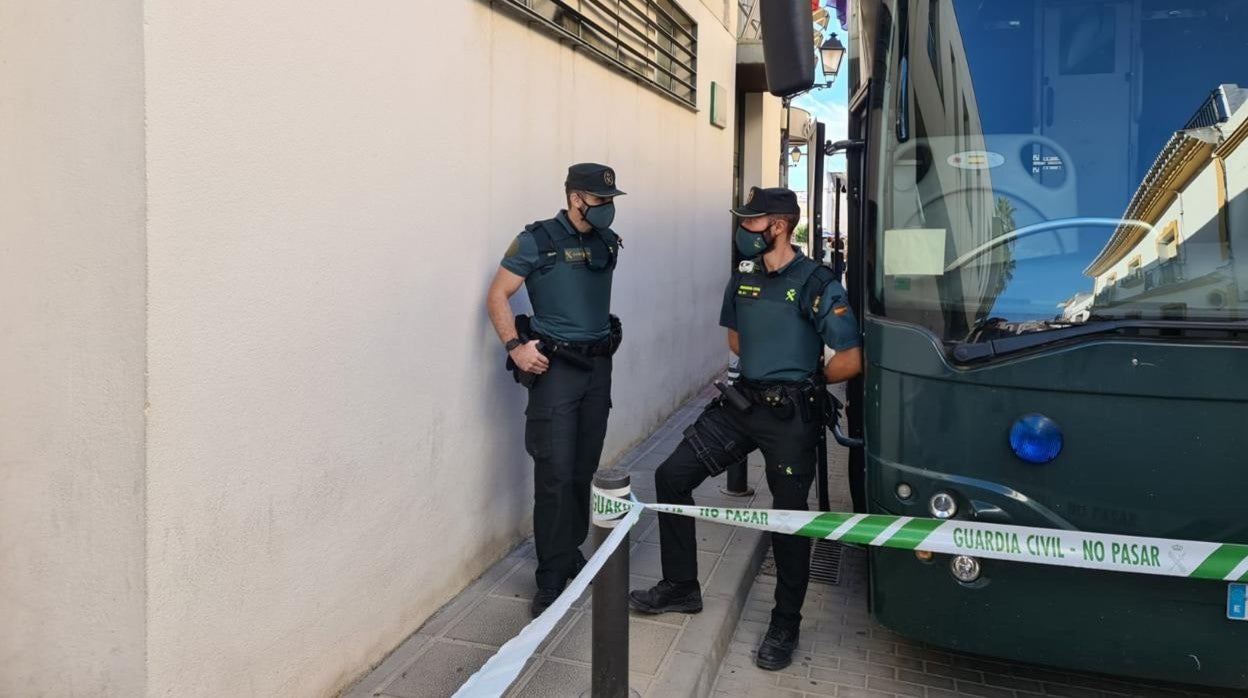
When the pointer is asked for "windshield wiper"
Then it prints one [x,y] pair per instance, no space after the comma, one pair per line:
[978,351]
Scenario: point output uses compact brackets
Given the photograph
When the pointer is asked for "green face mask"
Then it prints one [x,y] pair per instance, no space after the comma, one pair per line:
[751,244]
[600,216]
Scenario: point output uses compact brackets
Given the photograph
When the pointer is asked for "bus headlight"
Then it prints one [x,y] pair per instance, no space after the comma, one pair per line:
[965,568]
[1036,439]
[943,505]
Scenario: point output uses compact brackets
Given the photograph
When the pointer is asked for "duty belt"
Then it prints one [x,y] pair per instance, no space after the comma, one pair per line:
[774,394]
[601,347]
[802,394]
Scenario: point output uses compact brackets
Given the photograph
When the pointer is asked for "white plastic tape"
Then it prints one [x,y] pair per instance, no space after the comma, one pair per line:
[501,670]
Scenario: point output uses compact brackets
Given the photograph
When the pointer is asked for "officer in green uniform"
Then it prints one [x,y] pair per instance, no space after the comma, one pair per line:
[780,308]
[566,263]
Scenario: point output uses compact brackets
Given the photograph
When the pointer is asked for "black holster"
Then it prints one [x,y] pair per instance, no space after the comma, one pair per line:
[617,334]
[733,397]
[525,333]
[715,450]
[811,399]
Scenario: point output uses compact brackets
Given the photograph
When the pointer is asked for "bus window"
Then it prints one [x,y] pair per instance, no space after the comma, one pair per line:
[1059,154]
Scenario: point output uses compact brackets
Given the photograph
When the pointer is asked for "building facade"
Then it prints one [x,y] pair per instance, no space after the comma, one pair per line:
[257,426]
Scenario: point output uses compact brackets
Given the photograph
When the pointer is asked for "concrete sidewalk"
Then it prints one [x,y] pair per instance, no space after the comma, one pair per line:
[670,655]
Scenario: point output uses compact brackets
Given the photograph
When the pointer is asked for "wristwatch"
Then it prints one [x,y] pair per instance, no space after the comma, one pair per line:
[513,343]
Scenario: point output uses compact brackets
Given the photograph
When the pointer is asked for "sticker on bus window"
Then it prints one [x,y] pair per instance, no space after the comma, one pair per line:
[976,160]
[914,251]
[1236,602]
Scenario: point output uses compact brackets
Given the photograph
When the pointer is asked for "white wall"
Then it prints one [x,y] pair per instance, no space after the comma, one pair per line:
[760,161]
[1195,209]
[71,353]
[334,448]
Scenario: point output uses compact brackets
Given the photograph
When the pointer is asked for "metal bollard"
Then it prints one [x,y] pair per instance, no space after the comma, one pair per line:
[738,484]
[609,643]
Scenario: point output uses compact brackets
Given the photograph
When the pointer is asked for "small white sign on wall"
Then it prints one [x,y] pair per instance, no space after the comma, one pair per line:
[719,105]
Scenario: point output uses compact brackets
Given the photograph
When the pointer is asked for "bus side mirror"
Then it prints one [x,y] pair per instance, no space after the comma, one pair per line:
[830,148]
[788,56]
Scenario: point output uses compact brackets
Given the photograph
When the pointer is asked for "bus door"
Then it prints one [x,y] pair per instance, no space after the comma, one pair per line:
[1087,52]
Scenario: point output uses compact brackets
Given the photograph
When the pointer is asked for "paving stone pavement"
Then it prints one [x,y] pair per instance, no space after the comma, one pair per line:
[670,655]
[846,654]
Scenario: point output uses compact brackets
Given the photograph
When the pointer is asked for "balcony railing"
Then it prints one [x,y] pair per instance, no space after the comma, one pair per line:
[1167,273]
[1218,107]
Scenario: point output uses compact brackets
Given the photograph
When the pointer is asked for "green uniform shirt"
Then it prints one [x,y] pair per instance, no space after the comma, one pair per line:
[571,302]
[784,323]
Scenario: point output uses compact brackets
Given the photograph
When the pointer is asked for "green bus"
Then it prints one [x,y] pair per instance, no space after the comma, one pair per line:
[1049,258]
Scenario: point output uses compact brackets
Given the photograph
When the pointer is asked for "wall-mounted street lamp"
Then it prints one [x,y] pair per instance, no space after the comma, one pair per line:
[831,53]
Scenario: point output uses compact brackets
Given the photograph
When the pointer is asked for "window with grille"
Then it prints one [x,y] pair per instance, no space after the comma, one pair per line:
[653,40]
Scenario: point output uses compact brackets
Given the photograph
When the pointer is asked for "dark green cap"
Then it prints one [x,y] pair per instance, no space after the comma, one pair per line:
[774,200]
[591,177]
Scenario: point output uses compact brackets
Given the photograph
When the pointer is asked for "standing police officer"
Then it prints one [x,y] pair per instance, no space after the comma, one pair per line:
[564,354]
[780,309]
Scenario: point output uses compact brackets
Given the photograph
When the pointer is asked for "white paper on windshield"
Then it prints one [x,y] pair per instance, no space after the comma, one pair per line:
[914,251]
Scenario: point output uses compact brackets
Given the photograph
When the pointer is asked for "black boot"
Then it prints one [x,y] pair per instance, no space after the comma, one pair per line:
[682,597]
[577,565]
[543,599]
[776,650]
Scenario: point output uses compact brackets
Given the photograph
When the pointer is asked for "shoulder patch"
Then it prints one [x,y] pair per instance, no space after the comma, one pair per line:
[514,249]
[746,266]
[813,290]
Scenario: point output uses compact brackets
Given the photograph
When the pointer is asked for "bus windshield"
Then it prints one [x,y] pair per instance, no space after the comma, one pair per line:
[1053,163]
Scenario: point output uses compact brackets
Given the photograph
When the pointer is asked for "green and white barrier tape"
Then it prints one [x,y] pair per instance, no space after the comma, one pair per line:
[1045,546]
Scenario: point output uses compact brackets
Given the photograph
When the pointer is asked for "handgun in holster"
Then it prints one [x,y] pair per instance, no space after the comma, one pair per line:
[554,351]
[551,350]
[733,397]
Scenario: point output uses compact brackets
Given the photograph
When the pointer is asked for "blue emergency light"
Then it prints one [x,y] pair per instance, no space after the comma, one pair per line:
[1036,438]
